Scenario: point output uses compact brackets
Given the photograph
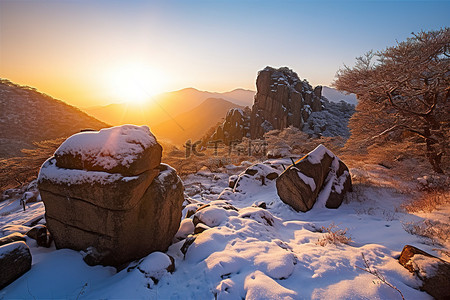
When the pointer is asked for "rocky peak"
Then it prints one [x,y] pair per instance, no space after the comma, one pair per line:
[282,99]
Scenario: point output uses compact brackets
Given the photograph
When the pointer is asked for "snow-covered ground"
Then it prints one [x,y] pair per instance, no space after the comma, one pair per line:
[249,251]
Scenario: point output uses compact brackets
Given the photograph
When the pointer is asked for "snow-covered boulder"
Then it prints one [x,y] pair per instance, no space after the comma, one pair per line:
[433,271]
[319,176]
[128,150]
[255,175]
[106,193]
[15,260]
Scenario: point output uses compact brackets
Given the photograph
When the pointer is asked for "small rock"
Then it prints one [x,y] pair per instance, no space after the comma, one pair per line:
[200,228]
[15,260]
[272,176]
[41,235]
[189,240]
[433,271]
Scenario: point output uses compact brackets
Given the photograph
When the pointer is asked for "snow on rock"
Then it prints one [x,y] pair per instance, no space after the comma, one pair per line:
[318,178]
[15,260]
[186,228]
[258,214]
[316,156]
[155,265]
[49,171]
[213,215]
[109,147]
[332,120]
[126,149]
[434,273]
[255,176]
[260,286]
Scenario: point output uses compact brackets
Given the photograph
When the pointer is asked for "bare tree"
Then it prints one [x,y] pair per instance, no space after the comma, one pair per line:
[404,88]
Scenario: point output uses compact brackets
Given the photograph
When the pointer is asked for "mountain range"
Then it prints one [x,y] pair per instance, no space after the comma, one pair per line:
[193,124]
[27,115]
[165,106]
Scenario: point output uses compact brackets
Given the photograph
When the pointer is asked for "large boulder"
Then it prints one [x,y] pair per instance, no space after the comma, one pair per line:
[116,216]
[318,176]
[433,271]
[15,260]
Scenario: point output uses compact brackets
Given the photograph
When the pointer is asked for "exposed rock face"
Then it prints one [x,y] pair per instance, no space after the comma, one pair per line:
[15,260]
[282,99]
[433,271]
[107,193]
[318,176]
[235,127]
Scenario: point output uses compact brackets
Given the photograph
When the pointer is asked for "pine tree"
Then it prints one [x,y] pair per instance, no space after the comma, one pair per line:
[404,88]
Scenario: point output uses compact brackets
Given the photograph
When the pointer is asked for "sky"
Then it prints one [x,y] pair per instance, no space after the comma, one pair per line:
[93,52]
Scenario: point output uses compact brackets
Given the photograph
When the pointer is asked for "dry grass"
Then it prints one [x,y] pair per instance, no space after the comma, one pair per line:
[18,171]
[333,235]
[433,191]
[435,232]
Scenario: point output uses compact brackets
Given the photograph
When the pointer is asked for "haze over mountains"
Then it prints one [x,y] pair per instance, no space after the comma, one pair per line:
[188,113]
[27,116]
[165,106]
[193,124]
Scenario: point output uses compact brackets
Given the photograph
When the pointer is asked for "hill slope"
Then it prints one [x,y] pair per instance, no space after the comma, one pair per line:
[165,106]
[194,123]
[28,116]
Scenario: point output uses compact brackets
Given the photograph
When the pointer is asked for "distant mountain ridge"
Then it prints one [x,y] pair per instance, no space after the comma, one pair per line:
[335,96]
[191,125]
[27,116]
[165,106]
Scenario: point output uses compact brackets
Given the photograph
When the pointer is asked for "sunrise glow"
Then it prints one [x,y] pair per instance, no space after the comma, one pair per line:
[134,83]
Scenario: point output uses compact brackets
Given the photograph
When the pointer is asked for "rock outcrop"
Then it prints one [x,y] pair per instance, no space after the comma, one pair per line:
[235,127]
[284,100]
[319,176]
[15,260]
[281,100]
[332,120]
[107,193]
[433,271]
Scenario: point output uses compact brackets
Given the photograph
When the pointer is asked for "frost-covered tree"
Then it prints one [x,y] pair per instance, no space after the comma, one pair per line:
[403,89]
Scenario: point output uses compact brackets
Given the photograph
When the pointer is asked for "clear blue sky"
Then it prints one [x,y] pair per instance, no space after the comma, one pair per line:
[69,48]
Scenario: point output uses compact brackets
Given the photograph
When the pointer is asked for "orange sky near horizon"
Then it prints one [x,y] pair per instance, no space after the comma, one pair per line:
[96,52]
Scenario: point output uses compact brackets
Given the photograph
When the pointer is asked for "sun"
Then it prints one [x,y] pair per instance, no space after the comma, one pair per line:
[134,83]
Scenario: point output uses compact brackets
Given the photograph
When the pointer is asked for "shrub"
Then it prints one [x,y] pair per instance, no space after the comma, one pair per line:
[333,235]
